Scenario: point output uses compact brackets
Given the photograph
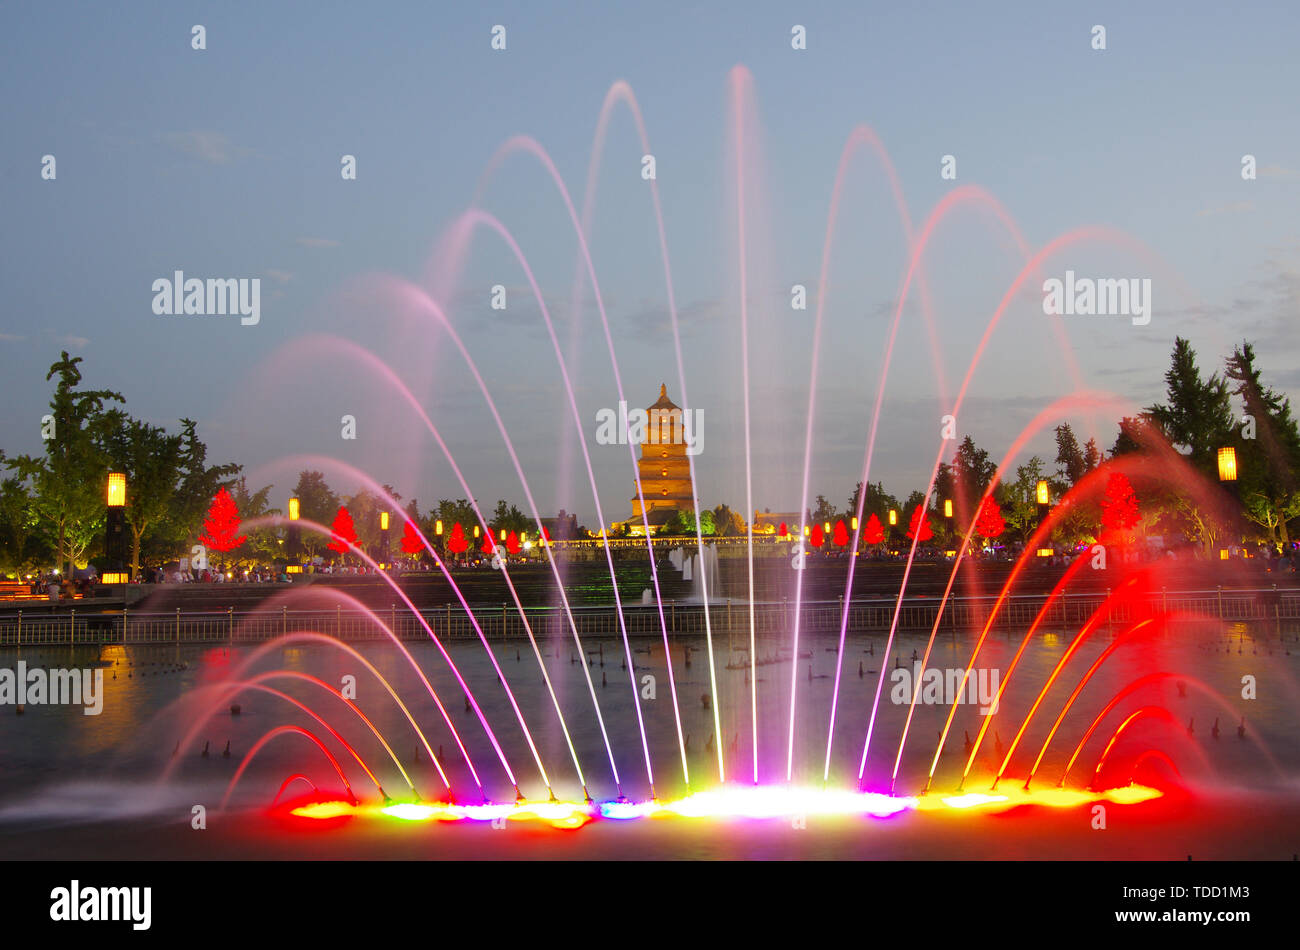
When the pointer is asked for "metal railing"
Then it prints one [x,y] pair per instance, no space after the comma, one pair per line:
[726,618]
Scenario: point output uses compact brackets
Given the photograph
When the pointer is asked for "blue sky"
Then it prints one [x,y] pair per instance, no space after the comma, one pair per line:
[225,163]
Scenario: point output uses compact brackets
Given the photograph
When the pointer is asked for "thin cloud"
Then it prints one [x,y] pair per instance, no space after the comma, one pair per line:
[205,145]
[316,242]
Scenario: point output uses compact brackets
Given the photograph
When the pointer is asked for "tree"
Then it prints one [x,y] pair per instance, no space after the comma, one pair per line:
[264,542]
[1019,501]
[874,532]
[1269,460]
[1091,455]
[457,542]
[512,542]
[824,511]
[990,523]
[841,536]
[411,542]
[68,481]
[919,526]
[489,545]
[316,503]
[817,538]
[1197,421]
[1197,418]
[1070,462]
[1119,507]
[726,523]
[151,460]
[23,546]
[198,483]
[221,527]
[343,532]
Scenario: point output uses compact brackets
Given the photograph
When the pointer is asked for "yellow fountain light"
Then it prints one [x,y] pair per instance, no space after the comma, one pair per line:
[116,489]
[1227,464]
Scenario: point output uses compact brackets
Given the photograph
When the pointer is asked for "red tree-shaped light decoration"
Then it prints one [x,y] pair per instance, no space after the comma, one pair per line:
[546,534]
[343,532]
[1119,507]
[457,543]
[920,523]
[817,538]
[783,531]
[841,536]
[512,543]
[989,523]
[220,528]
[874,533]
[411,542]
[488,544]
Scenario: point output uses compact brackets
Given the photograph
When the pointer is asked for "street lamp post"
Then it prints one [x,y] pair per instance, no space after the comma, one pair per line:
[115,531]
[293,545]
[383,537]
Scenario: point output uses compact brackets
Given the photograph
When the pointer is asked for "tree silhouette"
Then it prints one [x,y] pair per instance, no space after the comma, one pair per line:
[841,536]
[512,543]
[457,543]
[817,538]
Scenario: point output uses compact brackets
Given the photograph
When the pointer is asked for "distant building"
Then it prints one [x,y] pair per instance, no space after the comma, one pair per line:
[769,522]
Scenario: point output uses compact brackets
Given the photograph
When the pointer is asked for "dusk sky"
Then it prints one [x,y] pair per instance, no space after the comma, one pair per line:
[225,163]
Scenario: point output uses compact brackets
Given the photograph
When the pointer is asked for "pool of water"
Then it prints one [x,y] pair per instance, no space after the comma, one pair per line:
[138,767]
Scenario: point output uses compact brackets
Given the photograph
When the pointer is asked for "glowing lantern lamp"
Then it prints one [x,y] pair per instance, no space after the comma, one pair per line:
[893,516]
[116,489]
[294,509]
[947,507]
[1227,464]
[1044,497]
[437,527]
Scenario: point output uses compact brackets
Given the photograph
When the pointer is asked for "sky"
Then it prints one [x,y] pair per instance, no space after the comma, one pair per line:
[225,162]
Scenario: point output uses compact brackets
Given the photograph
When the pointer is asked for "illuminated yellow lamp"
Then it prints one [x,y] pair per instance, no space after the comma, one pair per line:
[853,525]
[383,521]
[1223,554]
[476,531]
[437,527]
[116,489]
[947,507]
[115,577]
[806,531]
[502,534]
[293,569]
[294,509]
[827,527]
[1044,497]
[1045,552]
[949,553]
[1227,464]
[893,516]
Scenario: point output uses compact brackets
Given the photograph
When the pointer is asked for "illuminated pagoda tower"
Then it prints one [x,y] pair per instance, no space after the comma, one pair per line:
[664,468]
